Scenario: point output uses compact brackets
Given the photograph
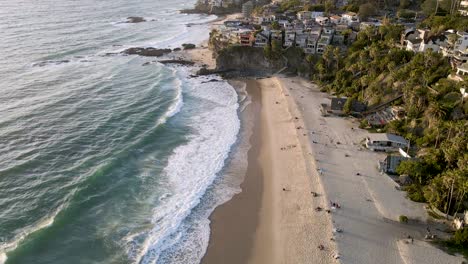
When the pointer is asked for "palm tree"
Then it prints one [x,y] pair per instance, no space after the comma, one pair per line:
[436,111]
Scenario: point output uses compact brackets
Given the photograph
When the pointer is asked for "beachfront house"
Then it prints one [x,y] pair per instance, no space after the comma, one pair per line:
[385,142]
[391,162]
[336,107]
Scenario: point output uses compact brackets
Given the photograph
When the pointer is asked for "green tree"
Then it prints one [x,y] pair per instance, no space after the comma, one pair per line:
[404,4]
[367,10]
[275,25]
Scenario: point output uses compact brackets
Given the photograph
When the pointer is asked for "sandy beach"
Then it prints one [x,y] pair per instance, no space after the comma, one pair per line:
[273,219]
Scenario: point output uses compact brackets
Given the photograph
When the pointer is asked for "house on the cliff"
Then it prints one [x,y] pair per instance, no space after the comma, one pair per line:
[349,17]
[420,40]
[323,21]
[311,46]
[324,41]
[301,40]
[289,38]
[262,39]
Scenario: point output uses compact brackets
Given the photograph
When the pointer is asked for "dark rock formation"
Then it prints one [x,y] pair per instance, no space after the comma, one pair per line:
[135,20]
[205,71]
[147,52]
[176,49]
[187,46]
[181,62]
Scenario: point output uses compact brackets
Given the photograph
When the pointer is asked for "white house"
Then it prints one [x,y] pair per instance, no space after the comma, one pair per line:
[385,142]
[462,69]
[321,20]
[420,41]
[463,8]
[349,18]
[462,41]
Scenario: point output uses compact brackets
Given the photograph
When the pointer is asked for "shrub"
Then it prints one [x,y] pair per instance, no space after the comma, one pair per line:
[415,193]
[460,238]
[403,219]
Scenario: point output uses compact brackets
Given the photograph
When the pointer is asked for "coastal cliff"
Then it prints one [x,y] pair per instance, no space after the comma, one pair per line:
[246,59]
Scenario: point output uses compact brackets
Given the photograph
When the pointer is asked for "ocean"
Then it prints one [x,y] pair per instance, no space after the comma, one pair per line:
[104,159]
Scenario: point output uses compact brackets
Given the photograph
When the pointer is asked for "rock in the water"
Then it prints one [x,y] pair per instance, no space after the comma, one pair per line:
[187,46]
[147,52]
[146,63]
[176,49]
[179,61]
[135,20]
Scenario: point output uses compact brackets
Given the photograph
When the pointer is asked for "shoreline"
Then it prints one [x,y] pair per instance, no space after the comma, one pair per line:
[228,244]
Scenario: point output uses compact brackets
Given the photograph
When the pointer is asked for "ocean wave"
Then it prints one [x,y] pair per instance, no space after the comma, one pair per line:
[192,167]
[26,231]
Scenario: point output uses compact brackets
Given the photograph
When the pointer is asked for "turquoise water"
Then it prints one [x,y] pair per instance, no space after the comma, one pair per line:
[103,160]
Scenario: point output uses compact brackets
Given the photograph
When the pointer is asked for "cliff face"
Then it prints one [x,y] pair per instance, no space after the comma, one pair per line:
[246,59]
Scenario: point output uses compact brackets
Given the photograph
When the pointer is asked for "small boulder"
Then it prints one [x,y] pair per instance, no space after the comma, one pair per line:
[135,20]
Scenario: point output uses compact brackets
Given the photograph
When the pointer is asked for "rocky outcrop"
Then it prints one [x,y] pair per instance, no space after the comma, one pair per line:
[135,20]
[147,52]
[180,62]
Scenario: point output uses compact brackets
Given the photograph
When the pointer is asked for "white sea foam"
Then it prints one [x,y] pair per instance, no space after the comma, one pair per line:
[176,106]
[192,167]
